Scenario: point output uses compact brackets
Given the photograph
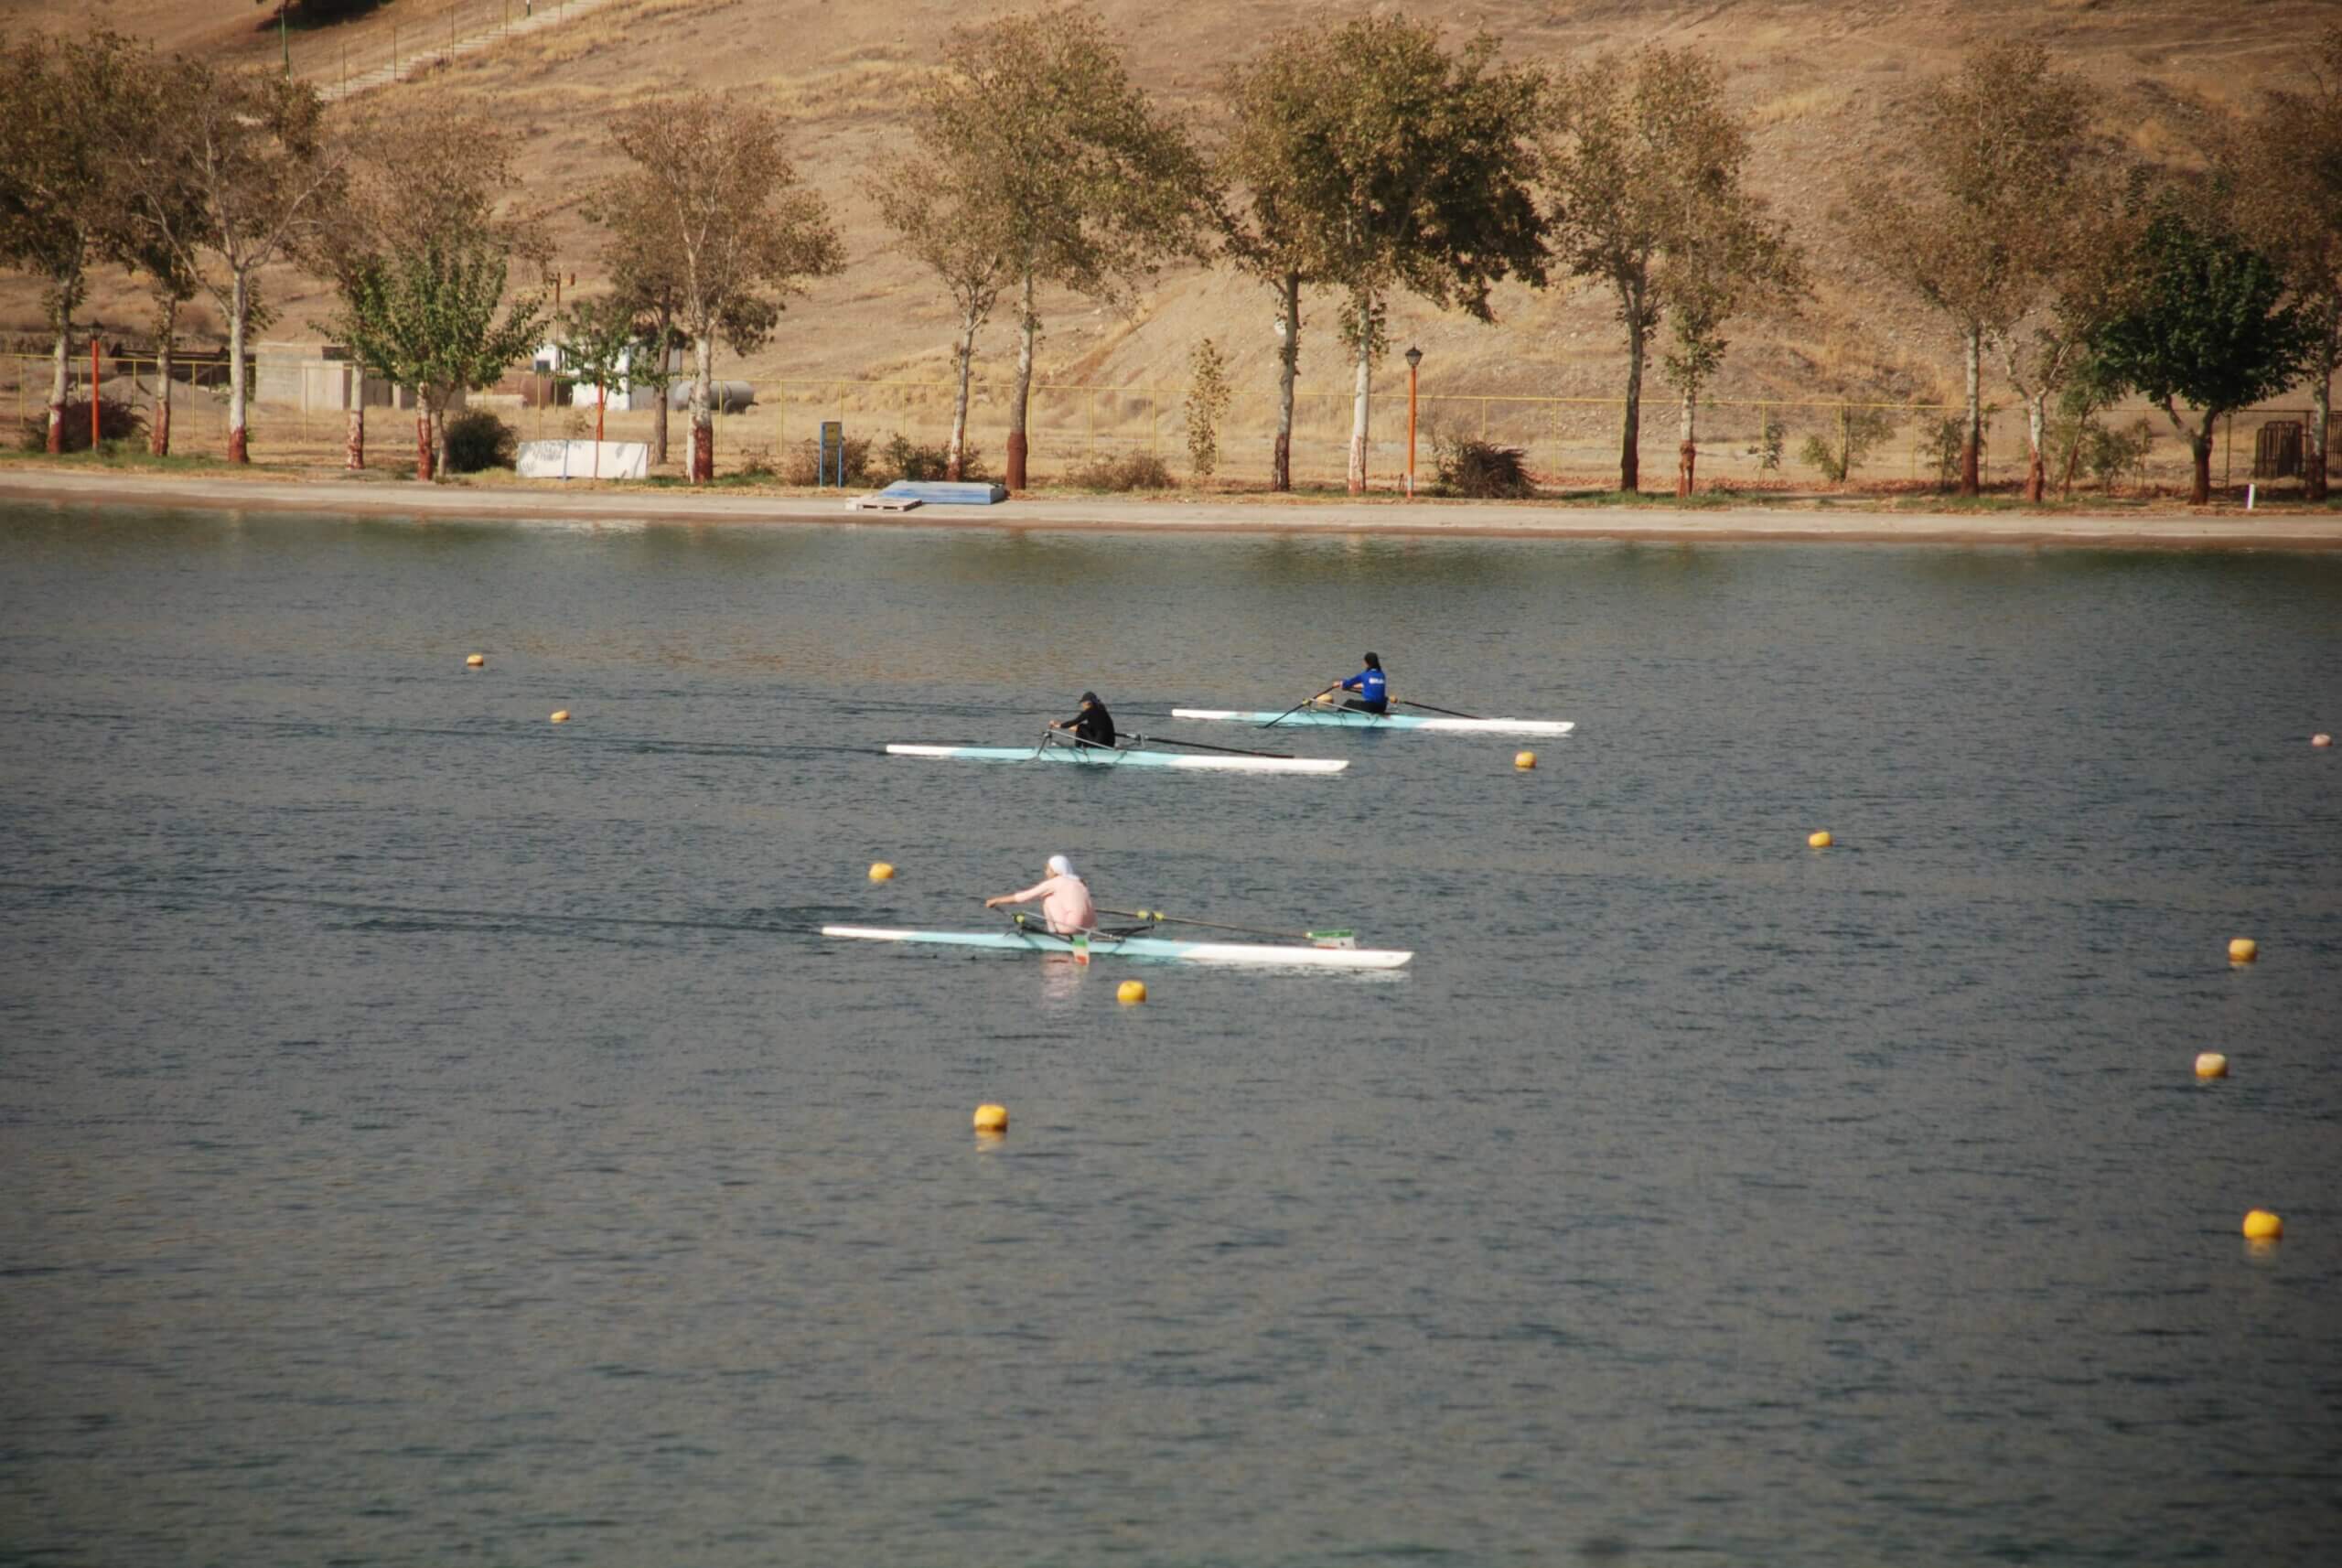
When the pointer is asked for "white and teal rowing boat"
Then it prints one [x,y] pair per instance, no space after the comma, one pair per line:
[1107,945]
[1126,756]
[1351,718]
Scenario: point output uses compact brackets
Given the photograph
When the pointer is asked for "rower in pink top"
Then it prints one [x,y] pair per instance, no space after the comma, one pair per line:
[1065,899]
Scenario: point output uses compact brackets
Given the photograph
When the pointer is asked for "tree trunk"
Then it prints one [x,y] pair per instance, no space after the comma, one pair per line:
[439,470]
[963,367]
[60,377]
[1361,395]
[658,404]
[240,299]
[158,425]
[1029,326]
[354,452]
[1288,371]
[702,458]
[423,468]
[2037,416]
[1973,435]
[1687,448]
[601,412]
[2202,444]
[1630,438]
[2322,415]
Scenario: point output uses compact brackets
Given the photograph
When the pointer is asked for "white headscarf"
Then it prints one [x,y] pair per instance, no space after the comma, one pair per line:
[1061,866]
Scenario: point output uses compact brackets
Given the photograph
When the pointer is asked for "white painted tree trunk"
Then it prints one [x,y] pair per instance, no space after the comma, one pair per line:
[60,375]
[1028,332]
[1362,396]
[703,457]
[240,303]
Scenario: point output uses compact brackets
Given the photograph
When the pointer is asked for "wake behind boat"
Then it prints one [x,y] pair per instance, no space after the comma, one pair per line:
[1022,938]
[1353,718]
[1133,753]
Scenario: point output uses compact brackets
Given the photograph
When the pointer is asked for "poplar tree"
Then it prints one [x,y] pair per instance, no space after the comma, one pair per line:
[1373,161]
[416,238]
[58,161]
[2283,171]
[252,145]
[714,188]
[1653,206]
[931,202]
[1094,187]
[1973,230]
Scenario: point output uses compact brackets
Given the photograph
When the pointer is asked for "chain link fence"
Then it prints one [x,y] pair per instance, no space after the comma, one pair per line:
[1567,442]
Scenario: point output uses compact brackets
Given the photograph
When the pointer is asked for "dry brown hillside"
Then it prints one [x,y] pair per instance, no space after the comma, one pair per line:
[1822,81]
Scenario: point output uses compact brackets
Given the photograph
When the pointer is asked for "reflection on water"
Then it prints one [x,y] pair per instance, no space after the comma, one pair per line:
[435,1133]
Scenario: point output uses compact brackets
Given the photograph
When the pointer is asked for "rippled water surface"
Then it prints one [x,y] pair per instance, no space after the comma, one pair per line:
[433,1135]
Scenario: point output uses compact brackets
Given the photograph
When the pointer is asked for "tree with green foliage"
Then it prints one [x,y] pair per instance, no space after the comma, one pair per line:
[1042,129]
[265,175]
[713,194]
[644,275]
[934,201]
[422,179]
[1651,203]
[1374,162]
[2282,171]
[57,163]
[434,316]
[2082,248]
[600,339]
[2200,320]
[1208,397]
[1973,230]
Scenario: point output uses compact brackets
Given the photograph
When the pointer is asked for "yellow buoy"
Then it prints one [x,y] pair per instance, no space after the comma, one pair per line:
[881,872]
[2211,1064]
[476,660]
[1524,759]
[2243,949]
[560,716]
[1131,991]
[1820,841]
[2263,1226]
[2321,740]
[992,1117]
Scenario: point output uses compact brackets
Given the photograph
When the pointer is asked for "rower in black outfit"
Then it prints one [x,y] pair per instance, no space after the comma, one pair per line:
[1094,726]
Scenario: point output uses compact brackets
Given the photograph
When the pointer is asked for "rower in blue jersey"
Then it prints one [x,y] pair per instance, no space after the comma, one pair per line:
[1372,687]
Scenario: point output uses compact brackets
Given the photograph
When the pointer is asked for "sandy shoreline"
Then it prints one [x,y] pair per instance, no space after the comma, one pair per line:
[1835,526]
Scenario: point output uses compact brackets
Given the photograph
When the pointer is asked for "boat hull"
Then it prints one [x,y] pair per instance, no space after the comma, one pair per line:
[1262,955]
[1099,756]
[1351,718]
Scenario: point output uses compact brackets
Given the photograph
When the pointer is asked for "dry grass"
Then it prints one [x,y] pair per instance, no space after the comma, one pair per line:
[1819,83]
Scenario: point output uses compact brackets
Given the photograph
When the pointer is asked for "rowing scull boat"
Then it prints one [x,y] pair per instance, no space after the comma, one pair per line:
[1125,757]
[1351,718]
[1104,944]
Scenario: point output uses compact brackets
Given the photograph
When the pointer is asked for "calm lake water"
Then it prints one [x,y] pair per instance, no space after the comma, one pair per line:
[433,1135]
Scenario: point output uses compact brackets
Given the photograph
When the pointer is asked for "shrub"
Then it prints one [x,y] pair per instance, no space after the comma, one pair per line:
[116,421]
[803,464]
[478,440]
[1208,395]
[904,458]
[1133,471]
[1770,433]
[1857,431]
[1481,470]
[1945,437]
[2112,456]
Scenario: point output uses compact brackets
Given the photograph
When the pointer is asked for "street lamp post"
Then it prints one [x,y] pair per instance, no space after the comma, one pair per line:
[1414,358]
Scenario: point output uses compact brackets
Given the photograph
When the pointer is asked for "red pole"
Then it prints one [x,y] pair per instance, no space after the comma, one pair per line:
[93,391]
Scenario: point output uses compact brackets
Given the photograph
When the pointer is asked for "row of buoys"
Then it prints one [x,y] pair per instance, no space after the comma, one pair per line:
[480,662]
[2259,1224]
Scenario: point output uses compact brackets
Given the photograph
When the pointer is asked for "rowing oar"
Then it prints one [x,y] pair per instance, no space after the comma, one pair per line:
[1451,712]
[1299,705]
[1199,746]
[1157,916]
